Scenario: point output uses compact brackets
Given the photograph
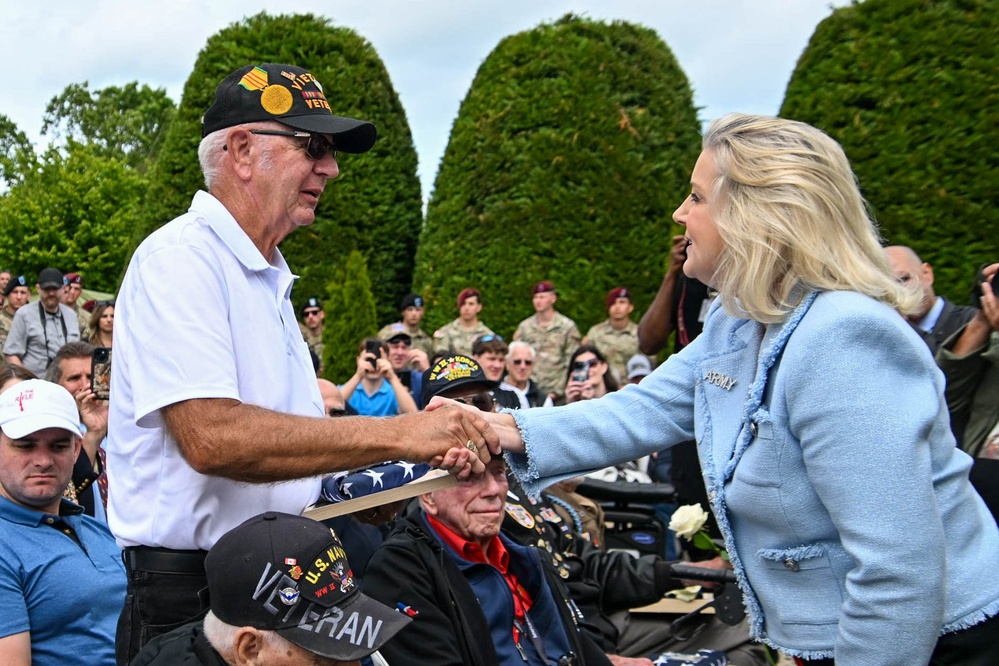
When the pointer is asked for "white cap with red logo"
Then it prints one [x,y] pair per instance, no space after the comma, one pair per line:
[34,405]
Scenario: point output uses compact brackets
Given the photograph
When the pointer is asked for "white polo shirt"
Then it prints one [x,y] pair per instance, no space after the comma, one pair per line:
[200,314]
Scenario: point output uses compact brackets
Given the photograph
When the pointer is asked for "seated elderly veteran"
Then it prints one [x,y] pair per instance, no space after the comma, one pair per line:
[447,565]
[62,581]
[281,593]
[602,584]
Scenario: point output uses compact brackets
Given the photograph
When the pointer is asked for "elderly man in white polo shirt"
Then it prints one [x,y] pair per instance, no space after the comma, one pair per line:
[215,415]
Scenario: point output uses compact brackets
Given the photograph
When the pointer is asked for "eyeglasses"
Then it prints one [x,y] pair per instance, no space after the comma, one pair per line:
[316,147]
[522,361]
[311,313]
[484,401]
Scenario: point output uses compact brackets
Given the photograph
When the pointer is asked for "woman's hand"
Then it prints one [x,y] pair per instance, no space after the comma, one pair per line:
[576,391]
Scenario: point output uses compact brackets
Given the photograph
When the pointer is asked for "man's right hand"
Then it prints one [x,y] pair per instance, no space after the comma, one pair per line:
[441,436]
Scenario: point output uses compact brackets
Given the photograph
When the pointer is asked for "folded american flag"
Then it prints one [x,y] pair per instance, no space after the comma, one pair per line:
[358,483]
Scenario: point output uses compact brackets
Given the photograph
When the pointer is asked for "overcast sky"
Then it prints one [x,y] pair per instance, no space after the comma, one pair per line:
[738,54]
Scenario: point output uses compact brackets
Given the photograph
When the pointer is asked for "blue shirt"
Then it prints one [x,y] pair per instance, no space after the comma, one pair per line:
[67,596]
[380,403]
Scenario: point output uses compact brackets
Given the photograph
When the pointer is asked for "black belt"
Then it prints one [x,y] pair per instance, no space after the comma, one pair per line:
[165,560]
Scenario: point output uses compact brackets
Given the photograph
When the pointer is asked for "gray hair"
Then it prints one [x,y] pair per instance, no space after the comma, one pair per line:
[79,349]
[520,344]
[210,153]
[222,636]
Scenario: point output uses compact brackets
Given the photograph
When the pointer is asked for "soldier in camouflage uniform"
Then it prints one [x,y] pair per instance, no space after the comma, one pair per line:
[312,327]
[458,336]
[16,295]
[411,310]
[617,336]
[70,298]
[553,336]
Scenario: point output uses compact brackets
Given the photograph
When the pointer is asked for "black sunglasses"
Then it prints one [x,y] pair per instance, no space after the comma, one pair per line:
[483,401]
[316,147]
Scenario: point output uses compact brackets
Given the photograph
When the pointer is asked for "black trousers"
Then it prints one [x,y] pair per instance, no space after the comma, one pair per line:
[164,592]
[974,646]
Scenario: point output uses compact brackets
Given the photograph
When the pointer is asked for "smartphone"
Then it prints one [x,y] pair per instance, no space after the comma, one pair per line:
[100,373]
[581,371]
[374,347]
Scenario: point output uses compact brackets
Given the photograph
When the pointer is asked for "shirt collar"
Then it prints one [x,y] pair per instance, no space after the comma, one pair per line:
[496,553]
[228,230]
[22,515]
[929,322]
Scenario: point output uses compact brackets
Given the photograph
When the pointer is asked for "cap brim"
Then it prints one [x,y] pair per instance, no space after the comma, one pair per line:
[350,135]
[374,625]
[50,285]
[25,425]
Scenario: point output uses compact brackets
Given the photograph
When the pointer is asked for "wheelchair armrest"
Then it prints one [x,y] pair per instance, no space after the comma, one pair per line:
[627,492]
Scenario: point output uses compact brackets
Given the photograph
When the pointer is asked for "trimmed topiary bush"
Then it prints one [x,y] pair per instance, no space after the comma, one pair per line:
[909,87]
[373,206]
[568,156]
[349,295]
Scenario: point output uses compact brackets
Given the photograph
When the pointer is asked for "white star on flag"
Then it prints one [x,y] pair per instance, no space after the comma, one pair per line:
[376,478]
[408,467]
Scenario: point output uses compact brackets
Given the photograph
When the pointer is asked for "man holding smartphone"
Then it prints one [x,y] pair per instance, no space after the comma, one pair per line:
[375,389]
[215,413]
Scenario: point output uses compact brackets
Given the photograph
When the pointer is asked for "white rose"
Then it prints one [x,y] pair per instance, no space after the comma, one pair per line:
[688,520]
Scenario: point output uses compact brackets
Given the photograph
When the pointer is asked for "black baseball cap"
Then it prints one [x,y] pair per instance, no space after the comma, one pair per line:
[289,95]
[51,278]
[290,574]
[452,372]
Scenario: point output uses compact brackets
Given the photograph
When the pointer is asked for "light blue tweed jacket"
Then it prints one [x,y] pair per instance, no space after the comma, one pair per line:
[826,449]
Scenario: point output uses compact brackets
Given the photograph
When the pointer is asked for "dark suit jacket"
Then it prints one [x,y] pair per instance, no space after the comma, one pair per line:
[952,318]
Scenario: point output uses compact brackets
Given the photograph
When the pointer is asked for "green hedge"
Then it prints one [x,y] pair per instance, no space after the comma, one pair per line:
[911,90]
[568,156]
[349,294]
[374,205]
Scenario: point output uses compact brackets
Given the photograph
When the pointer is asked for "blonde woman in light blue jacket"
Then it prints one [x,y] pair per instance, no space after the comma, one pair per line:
[822,431]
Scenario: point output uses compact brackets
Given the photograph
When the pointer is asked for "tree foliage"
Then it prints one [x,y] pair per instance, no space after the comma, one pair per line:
[570,151]
[349,295]
[127,122]
[74,213]
[910,88]
[374,206]
[17,157]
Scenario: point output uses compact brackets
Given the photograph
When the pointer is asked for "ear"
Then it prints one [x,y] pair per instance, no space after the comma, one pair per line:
[631,307]
[429,505]
[77,445]
[927,272]
[237,145]
[247,645]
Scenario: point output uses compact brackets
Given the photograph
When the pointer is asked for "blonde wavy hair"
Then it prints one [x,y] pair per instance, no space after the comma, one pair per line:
[792,219]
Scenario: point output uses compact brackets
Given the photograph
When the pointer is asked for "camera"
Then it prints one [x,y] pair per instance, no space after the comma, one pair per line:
[976,291]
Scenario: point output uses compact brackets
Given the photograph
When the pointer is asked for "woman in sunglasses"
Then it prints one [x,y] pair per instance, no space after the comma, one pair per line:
[589,375]
[819,415]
